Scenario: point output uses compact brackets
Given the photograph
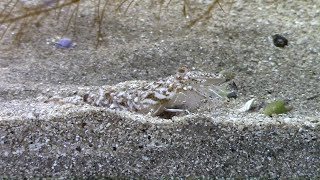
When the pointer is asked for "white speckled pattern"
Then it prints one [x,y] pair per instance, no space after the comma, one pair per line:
[184,90]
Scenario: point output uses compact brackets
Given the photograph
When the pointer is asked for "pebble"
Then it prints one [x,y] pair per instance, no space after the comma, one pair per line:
[64,43]
[279,40]
[232,95]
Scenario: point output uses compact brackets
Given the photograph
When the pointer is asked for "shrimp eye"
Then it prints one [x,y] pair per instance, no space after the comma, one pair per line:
[85,98]
[182,70]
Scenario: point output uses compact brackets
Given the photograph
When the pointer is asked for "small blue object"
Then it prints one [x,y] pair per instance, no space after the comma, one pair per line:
[64,43]
[50,3]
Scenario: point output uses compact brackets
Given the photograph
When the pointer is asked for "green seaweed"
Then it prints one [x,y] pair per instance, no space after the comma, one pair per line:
[276,107]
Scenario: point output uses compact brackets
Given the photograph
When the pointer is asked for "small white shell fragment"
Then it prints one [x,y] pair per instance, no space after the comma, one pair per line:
[247,106]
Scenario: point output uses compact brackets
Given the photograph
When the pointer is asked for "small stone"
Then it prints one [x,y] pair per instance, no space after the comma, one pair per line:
[232,95]
[64,43]
[78,148]
[50,3]
[279,40]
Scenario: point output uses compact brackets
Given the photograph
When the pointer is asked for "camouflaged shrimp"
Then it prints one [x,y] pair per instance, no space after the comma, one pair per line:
[173,94]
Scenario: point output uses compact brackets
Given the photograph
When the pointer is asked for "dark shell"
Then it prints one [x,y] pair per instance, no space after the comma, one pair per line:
[279,40]
[232,95]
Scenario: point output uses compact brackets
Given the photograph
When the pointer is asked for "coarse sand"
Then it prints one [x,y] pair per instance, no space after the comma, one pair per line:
[51,140]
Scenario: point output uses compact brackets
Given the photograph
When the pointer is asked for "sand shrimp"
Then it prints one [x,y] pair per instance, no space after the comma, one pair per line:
[167,96]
